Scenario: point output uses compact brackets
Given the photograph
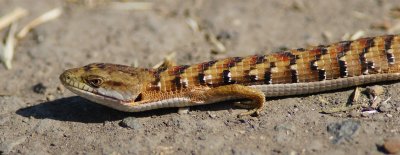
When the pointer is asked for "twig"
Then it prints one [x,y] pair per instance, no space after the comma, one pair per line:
[11,17]
[167,61]
[8,50]
[356,94]
[50,15]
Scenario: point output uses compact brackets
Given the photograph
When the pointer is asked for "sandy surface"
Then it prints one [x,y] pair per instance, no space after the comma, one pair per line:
[52,120]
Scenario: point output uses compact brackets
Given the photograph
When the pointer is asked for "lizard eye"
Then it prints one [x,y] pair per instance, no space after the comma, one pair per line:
[95,81]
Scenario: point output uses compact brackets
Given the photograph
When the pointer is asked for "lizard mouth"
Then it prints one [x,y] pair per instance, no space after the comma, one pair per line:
[88,92]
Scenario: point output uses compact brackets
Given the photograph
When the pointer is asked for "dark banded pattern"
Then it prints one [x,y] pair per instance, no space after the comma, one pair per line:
[325,62]
[388,46]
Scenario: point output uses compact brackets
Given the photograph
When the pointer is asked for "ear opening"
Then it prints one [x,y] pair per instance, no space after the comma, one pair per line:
[138,98]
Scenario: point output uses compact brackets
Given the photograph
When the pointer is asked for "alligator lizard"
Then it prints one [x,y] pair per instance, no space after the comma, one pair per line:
[292,72]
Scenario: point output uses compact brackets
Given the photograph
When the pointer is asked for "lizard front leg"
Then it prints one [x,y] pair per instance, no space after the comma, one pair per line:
[234,91]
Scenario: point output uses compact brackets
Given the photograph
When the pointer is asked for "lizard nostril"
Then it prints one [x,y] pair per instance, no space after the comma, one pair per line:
[65,76]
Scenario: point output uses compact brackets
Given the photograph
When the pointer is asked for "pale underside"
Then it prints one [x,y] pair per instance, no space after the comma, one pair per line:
[268,90]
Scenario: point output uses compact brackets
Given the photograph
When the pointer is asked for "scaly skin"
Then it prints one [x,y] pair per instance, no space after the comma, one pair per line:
[297,71]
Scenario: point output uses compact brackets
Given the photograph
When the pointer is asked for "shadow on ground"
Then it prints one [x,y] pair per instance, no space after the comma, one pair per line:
[77,109]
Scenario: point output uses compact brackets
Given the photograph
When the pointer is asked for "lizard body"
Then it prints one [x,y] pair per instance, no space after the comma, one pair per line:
[293,72]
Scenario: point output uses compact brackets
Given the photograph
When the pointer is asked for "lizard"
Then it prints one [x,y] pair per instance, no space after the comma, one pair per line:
[292,72]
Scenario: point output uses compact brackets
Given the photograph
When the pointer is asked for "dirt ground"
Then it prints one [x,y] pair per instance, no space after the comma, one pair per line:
[39,116]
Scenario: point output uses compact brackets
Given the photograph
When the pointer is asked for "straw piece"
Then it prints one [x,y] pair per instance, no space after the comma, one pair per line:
[11,17]
[8,50]
[50,15]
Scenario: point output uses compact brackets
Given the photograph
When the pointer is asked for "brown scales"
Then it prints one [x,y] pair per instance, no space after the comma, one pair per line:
[339,60]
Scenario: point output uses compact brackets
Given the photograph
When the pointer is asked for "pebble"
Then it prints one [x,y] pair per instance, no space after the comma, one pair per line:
[50,97]
[365,114]
[183,110]
[343,130]
[61,88]
[355,113]
[392,145]
[389,115]
[211,114]
[375,90]
[39,88]
[131,122]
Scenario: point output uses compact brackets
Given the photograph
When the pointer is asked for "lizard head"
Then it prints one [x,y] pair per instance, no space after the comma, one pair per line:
[108,84]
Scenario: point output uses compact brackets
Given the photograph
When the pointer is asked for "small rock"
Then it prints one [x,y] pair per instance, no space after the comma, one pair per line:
[39,88]
[385,107]
[343,130]
[389,115]
[131,122]
[355,113]
[50,97]
[183,110]
[375,90]
[211,114]
[365,114]
[392,145]
[61,88]
[398,109]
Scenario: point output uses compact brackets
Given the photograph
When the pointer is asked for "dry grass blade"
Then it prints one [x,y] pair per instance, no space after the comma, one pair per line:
[219,46]
[354,36]
[50,15]
[191,21]
[131,5]
[8,50]
[194,26]
[11,17]
[356,94]
[167,61]
[357,35]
